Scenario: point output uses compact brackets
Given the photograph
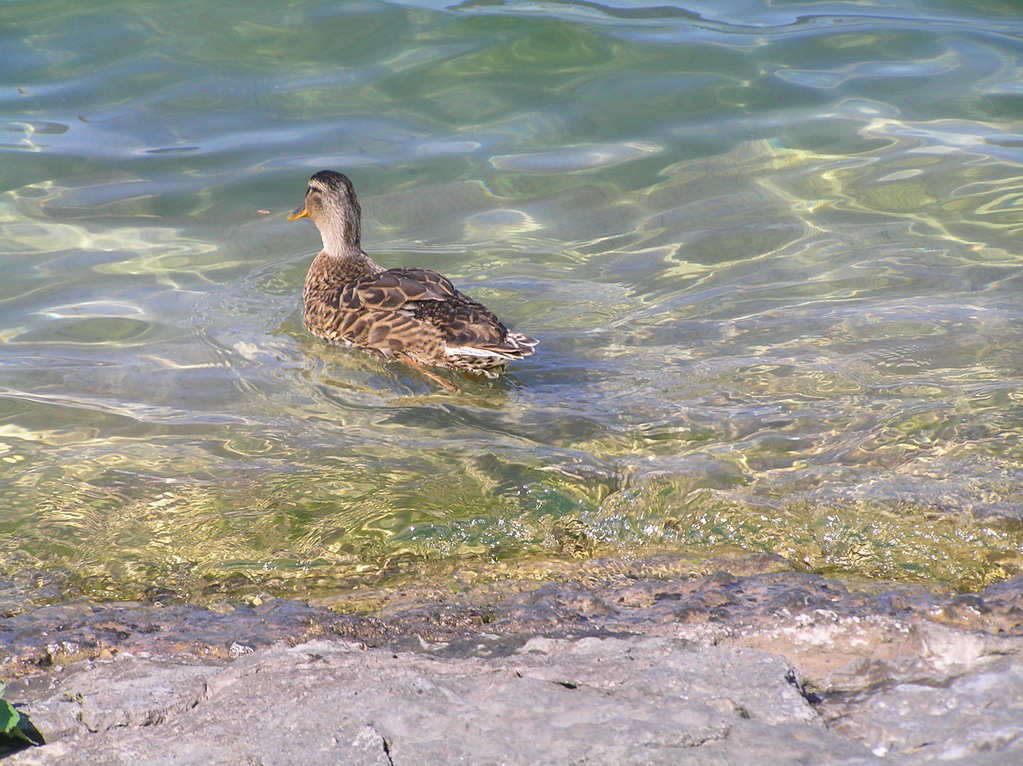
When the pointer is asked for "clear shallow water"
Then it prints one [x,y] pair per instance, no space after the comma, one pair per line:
[772,252]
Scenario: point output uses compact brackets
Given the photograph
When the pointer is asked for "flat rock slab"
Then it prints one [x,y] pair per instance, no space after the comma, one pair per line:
[634,700]
[125,693]
[764,668]
[975,713]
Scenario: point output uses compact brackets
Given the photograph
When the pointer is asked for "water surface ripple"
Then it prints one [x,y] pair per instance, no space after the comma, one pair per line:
[770,250]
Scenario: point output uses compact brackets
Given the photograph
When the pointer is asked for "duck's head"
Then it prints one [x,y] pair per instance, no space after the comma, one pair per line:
[331,203]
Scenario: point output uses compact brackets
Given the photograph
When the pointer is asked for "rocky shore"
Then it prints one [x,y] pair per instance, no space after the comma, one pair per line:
[754,663]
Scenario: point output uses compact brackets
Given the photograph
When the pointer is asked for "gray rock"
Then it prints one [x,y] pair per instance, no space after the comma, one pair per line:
[125,692]
[768,668]
[556,701]
[981,711]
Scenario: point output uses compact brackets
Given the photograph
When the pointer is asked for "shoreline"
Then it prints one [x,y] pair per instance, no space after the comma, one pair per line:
[792,667]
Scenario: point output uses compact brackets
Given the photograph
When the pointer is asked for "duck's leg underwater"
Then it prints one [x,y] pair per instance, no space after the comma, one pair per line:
[429,374]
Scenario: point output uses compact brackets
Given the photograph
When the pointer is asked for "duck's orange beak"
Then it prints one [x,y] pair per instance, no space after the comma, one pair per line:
[298,212]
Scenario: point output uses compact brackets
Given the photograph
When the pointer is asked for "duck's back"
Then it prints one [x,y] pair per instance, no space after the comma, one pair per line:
[410,312]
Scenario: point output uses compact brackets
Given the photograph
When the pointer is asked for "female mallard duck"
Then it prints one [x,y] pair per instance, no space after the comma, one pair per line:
[415,315]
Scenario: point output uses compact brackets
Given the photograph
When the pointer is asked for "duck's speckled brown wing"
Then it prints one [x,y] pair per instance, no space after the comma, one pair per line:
[392,289]
[417,312]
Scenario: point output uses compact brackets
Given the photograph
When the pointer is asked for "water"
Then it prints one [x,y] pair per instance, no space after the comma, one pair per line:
[771,252]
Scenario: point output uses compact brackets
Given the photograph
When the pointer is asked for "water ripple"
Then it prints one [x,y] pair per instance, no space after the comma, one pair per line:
[771,252]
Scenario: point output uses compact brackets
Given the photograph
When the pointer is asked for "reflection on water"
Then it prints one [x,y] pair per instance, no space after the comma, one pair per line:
[774,265]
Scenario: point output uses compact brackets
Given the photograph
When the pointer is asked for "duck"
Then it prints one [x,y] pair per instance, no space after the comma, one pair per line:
[413,315]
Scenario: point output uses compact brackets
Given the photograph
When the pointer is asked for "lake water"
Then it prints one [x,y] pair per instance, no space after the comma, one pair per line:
[772,252]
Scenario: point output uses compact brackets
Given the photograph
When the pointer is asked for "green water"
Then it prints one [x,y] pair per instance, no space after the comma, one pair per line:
[772,252]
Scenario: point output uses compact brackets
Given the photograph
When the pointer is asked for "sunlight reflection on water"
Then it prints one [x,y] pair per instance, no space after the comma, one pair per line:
[773,266]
